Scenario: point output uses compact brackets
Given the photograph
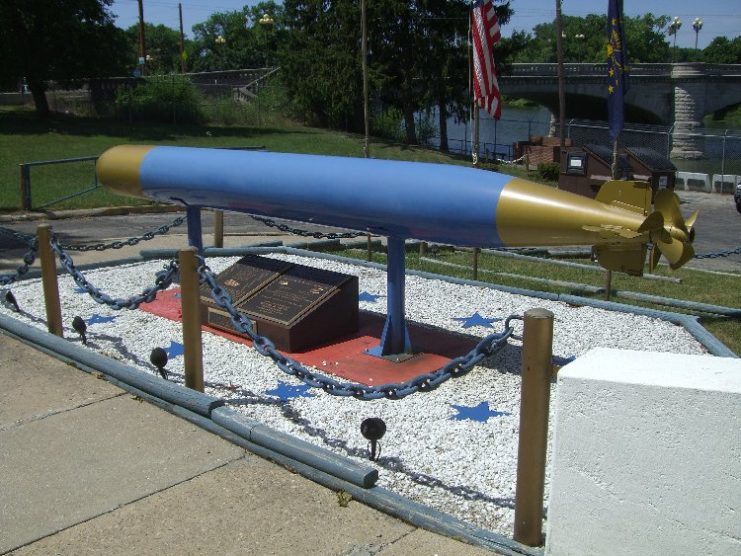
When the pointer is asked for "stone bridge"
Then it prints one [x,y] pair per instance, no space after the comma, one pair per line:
[677,95]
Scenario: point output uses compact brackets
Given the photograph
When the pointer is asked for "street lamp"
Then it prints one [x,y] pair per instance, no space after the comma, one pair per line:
[580,38]
[697,25]
[674,26]
[220,40]
[266,20]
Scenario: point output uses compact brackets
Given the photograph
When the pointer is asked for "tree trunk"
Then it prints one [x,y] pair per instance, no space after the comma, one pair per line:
[409,125]
[443,124]
[38,91]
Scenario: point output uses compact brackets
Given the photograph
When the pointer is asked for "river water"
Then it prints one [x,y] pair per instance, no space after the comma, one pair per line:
[495,137]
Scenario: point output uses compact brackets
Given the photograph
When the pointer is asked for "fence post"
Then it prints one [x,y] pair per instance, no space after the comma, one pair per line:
[476,252]
[25,186]
[49,281]
[218,228]
[537,345]
[191,311]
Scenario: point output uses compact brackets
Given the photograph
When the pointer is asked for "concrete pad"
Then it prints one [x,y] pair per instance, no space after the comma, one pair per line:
[73,466]
[250,506]
[424,542]
[35,385]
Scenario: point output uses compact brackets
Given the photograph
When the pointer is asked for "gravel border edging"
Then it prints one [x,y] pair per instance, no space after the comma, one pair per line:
[196,408]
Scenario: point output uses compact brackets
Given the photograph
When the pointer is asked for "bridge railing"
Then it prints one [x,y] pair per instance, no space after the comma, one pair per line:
[551,70]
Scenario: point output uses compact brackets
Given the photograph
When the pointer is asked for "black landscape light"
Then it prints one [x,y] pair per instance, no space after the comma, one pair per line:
[80,327]
[10,298]
[373,428]
[158,357]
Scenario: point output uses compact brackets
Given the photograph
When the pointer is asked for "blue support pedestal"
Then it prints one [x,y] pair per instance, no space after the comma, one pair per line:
[195,235]
[395,338]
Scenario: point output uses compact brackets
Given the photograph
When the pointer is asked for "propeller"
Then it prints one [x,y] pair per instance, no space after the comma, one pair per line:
[674,239]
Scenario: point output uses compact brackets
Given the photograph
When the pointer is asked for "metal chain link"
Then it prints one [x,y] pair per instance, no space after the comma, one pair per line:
[305,233]
[28,239]
[126,243]
[719,254]
[28,260]
[395,391]
[163,280]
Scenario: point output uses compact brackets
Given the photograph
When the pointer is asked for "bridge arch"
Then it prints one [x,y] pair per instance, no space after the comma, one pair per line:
[677,95]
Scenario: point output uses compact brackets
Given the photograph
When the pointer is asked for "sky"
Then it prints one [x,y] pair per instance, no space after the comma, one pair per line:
[720,17]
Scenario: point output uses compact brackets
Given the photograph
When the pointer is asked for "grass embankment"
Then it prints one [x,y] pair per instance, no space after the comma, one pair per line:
[697,286]
[24,138]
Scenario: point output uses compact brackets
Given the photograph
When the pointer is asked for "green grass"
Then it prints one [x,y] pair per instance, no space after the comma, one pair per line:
[24,138]
[696,285]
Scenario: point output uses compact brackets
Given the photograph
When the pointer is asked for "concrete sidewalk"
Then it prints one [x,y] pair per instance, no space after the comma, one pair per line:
[87,468]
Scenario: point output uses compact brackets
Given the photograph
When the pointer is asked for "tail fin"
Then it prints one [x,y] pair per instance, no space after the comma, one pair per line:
[665,228]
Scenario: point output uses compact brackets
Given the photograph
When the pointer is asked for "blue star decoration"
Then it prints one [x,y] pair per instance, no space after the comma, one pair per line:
[175,349]
[369,297]
[99,319]
[286,391]
[476,320]
[480,413]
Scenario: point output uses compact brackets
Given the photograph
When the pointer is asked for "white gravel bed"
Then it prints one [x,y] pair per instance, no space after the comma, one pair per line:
[463,467]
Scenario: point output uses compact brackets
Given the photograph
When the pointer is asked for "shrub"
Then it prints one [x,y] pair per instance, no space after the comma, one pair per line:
[162,98]
[549,170]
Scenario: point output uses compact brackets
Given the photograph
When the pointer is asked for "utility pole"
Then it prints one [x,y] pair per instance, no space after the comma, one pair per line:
[142,47]
[182,39]
[364,54]
[561,92]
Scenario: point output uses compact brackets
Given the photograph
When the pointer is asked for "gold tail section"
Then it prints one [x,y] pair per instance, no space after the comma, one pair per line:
[624,250]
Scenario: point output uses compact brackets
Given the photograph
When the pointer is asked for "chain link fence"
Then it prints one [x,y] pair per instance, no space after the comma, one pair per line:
[252,97]
[716,169]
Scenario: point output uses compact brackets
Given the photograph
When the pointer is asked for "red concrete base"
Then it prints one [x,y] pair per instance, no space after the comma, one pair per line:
[347,357]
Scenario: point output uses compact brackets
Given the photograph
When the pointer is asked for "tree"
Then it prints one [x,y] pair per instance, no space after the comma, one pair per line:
[238,39]
[162,47]
[45,40]
[585,40]
[320,59]
[723,51]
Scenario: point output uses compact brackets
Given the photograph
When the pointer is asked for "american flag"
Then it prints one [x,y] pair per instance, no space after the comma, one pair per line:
[485,33]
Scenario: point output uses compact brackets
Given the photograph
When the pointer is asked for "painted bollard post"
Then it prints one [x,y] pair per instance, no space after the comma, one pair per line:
[537,353]
[191,309]
[49,281]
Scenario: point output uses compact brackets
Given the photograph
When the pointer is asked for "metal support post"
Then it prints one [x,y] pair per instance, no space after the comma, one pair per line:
[395,337]
[218,228]
[191,309]
[195,235]
[537,346]
[49,281]
[25,186]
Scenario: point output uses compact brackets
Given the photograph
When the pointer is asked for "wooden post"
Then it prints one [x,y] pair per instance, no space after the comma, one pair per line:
[608,286]
[476,252]
[218,228]
[370,248]
[191,309]
[49,281]
[537,346]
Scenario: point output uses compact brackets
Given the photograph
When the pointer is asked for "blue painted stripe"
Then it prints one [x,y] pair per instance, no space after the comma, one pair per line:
[431,202]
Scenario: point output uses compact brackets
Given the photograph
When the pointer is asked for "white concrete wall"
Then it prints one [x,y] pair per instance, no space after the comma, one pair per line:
[646,456]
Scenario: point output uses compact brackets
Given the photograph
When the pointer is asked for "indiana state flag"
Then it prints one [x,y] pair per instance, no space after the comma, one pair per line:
[617,67]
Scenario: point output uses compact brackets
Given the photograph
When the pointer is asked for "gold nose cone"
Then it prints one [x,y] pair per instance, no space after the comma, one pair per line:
[118,169]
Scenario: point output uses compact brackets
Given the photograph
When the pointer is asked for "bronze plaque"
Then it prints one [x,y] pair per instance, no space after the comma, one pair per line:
[246,276]
[222,319]
[296,306]
[294,292]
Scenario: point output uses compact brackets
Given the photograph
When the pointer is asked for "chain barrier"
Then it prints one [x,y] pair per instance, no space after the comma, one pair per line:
[126,243]
[719,254]
[423,383]
[28,260]
[163,280]
[305,233]
[28,239]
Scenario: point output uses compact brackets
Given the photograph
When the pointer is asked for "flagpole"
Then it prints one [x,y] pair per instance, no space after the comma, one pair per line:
[473,117]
